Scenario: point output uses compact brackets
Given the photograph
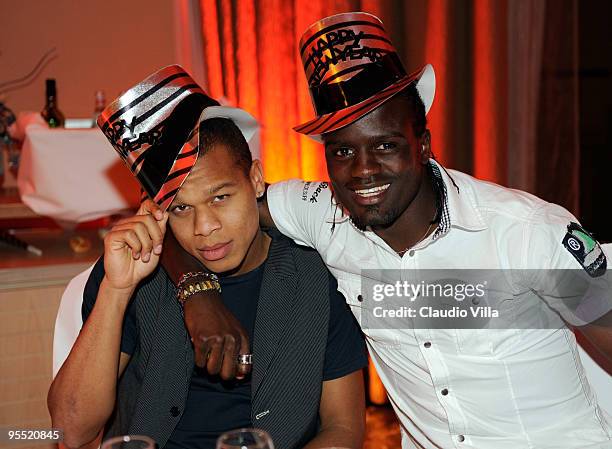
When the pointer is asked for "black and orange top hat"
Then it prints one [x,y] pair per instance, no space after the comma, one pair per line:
[352,68]
[154,126]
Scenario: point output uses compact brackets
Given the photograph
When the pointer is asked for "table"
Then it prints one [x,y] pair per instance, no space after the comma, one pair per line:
[72,175]
[30,292]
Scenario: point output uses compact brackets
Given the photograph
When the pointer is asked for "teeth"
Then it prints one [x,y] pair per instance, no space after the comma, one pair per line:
[373,191]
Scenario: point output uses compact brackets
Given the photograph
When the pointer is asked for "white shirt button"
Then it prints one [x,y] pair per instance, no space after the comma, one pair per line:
[460,438]
[444,391]
[411,253]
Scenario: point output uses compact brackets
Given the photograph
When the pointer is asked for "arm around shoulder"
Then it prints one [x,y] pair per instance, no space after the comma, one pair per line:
[301,210]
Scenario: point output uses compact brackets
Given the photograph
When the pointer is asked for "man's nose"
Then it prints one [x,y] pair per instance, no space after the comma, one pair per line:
[206,222]
[365,165]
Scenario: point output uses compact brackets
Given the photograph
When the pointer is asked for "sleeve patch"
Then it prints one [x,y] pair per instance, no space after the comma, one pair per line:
[585,250]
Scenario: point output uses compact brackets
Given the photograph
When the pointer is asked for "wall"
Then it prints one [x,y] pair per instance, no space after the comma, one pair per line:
[27,317]
[108,45]
[26,342]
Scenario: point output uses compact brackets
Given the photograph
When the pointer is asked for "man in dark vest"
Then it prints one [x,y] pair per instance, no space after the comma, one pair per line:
[132,371]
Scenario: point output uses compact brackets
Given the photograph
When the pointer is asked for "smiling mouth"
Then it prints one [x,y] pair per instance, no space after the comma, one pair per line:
[373,191]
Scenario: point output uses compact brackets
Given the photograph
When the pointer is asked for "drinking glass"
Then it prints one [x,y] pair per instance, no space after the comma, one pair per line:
[129,442]
[245,439]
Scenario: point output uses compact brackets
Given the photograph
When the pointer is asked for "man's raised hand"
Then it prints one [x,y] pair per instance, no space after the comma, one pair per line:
[132,248]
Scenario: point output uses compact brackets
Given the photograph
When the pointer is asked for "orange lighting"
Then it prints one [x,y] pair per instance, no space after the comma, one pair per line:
[376,390]
[489,91]
[436,53]
[212,52]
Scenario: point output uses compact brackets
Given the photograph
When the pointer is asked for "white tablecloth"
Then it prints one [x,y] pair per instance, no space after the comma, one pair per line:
[72,175]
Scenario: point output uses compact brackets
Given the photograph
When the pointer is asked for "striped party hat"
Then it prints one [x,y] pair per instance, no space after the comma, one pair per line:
[352,68]
[154,126]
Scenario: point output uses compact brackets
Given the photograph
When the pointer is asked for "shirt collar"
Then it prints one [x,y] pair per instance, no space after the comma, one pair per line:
[459,210]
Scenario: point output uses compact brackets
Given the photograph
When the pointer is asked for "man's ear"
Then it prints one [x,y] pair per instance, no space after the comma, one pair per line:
[425,150]
[257,179]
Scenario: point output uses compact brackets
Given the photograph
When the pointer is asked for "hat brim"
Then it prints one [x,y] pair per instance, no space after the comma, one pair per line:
[425,80]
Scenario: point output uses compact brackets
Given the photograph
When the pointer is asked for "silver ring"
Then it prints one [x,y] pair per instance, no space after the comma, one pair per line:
[245,359]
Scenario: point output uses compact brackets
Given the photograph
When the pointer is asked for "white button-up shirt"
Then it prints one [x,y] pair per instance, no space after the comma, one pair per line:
[463,388]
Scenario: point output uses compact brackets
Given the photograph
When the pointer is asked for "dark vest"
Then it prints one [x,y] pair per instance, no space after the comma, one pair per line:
[288,352]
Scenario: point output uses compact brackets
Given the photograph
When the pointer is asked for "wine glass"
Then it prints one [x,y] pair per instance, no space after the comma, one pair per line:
[129,442]
[245,439]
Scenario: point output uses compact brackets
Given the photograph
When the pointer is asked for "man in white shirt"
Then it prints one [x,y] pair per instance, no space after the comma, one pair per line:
[391,206]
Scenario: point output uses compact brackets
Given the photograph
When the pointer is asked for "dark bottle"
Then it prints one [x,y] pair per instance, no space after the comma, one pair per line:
[99,106]
[52,115]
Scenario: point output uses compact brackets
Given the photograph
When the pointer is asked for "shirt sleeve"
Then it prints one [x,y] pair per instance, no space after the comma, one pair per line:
[90,293]
[345,351]
[571,273]
[302,210]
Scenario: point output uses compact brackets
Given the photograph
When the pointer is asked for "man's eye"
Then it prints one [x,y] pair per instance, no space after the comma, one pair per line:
[343,152]
[179,209]
[219,198]
[386,146]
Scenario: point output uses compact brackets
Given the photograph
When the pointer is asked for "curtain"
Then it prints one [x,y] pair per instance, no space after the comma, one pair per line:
[526,20]
[557,146]
[506,73]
